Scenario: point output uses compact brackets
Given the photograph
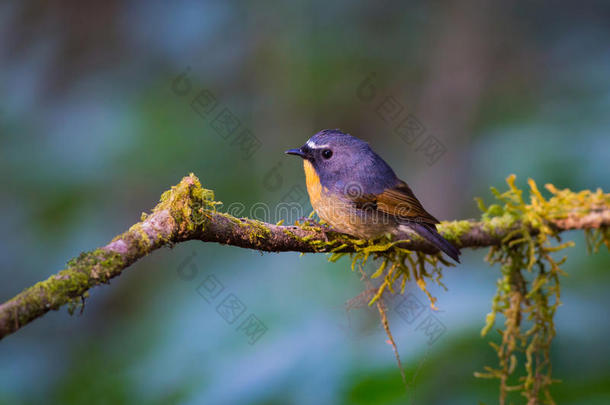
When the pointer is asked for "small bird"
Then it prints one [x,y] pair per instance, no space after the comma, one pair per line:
[357,192]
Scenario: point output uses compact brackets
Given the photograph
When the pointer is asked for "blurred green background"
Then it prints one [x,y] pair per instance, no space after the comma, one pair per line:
[93,131]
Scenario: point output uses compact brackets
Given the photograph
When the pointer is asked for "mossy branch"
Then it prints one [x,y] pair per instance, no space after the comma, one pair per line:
[188,212]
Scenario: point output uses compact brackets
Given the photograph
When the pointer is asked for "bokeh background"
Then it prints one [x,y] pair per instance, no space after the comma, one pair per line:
[93,131]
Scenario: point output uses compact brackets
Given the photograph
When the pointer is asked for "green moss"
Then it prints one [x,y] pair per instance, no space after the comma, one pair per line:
[396,264]
[452,231]
[528,293]
[143,241]
[236,221]
[188,203]
[69,286]
[257,231]
[337,242]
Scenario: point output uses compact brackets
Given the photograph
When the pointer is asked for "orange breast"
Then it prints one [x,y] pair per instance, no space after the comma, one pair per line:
[342,217]
[314,188]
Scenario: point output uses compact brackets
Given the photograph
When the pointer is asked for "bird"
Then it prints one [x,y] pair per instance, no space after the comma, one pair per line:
[356,192]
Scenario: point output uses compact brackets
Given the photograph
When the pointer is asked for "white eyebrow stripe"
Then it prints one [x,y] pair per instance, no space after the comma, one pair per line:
[312,145]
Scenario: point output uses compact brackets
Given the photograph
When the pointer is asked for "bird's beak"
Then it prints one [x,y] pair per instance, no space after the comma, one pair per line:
[298,152]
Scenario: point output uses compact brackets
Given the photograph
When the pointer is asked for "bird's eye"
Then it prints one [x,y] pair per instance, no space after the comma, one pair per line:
[327,153]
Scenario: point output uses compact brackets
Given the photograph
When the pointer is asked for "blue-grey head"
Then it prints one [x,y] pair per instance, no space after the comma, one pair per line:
[340,159]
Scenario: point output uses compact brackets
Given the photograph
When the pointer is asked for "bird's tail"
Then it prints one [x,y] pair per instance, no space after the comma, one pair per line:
[429,233]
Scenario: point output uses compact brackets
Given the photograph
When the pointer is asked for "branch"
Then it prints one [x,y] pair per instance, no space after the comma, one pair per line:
[187,212]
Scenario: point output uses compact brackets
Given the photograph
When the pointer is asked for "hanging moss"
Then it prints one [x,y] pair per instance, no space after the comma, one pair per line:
[528,292]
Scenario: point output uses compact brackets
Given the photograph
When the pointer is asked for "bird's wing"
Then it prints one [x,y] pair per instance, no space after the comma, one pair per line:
[398,201]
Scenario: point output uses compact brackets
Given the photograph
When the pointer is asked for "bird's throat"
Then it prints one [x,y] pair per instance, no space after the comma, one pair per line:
[314,188]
